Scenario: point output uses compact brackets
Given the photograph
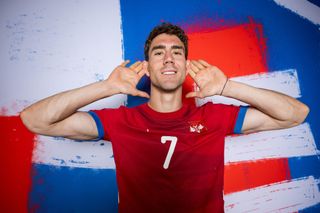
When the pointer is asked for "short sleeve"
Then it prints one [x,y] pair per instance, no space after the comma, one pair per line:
[98,124]
[228,118]
[240,119]
[103,118]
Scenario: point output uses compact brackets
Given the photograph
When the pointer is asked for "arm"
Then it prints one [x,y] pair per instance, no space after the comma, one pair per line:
[269,109]
[58,116]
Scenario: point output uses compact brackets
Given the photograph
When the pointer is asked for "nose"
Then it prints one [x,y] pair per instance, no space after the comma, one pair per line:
[168,58]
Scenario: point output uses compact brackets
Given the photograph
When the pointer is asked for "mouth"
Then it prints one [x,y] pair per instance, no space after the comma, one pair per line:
[169,72]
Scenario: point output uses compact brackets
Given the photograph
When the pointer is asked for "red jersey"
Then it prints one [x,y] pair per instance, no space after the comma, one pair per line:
[169,162]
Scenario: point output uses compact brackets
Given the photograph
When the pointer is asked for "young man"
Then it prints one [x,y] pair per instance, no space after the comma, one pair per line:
[169,156]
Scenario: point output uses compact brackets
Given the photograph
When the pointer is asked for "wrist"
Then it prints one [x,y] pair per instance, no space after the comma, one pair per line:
[238,90]
[224,86]
[107,88]
[229,90]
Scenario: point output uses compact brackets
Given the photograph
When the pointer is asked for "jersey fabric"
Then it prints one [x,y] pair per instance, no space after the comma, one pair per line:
[169,162]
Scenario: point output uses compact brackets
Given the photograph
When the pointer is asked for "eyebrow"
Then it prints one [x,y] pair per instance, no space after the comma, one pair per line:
[164,47]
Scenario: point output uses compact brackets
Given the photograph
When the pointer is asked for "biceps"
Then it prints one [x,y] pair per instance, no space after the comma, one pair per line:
[79,126]
[256,121]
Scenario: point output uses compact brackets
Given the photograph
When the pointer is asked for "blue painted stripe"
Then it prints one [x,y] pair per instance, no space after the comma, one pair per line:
[304,166]
[311,209]
[65,189]
[316,2]
[99,125]
[240,119]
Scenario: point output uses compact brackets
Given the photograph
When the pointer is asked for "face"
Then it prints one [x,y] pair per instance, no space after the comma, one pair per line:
[167,63]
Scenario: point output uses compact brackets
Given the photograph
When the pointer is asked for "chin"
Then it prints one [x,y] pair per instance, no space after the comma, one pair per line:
[169,88]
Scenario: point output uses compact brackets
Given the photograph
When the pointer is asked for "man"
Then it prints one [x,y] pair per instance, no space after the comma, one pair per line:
[169,156]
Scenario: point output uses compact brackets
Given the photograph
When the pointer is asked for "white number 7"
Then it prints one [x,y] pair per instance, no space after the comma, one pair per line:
[173,140]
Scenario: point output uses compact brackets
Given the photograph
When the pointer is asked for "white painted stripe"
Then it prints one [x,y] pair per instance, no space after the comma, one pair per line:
[284,81]
[52,46]
[303,8]
[286,196]
[293,142]
[64,152]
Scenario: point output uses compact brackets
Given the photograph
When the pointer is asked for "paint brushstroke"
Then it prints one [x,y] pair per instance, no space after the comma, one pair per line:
[64,152]
[253,174]
[303,8]
[284,81]
[286,196]
[15,155]
[217,46]
[293,142]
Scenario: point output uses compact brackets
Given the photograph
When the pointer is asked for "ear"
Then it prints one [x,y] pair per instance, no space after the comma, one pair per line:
[146,68]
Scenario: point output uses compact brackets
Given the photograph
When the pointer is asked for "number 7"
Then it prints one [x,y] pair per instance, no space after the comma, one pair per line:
[173,140]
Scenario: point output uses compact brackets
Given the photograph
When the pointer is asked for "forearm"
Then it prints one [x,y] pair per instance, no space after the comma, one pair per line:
[60,106]
[276,105]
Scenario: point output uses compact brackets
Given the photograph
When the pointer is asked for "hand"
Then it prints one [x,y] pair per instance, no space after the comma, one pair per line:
[209,79]
[125,79]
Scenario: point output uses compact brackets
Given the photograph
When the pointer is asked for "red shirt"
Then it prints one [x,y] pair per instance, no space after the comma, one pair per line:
[169,162]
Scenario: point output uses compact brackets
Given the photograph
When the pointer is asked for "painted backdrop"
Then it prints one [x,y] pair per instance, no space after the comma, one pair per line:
[52,46]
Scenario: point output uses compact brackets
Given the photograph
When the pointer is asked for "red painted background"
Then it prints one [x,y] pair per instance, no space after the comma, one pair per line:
[238,50]
[15,155]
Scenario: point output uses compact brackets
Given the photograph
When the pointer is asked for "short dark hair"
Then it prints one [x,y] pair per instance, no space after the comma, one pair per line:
[169,29]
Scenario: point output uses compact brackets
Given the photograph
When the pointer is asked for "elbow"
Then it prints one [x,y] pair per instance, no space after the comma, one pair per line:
[300,114]
[29,121]
[26,120]
[304,112]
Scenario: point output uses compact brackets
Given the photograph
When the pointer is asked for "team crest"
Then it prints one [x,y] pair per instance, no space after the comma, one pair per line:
[197,126]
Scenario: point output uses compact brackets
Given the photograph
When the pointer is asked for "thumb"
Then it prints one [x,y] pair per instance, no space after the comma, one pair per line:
[140,93]
[196,94]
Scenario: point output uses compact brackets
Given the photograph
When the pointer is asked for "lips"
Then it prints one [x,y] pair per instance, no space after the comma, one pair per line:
[169,72]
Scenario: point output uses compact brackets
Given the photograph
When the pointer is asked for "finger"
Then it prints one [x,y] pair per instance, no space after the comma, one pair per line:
[138,68]
[141,73]
[136,64]
[123,64]
[192,73]
[199,65]
[194,68]
[203,62]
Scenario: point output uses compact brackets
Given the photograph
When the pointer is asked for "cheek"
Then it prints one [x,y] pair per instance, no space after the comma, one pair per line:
[153,65]
[151,69]
[182,64]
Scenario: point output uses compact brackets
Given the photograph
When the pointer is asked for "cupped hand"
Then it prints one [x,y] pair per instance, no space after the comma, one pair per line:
[125,79]
[209,79]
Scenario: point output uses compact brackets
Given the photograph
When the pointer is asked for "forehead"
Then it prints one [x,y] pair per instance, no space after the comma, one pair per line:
[166,40]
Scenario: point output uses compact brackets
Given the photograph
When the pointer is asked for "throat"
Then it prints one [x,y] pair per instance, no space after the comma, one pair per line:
[164,108]
[165,102]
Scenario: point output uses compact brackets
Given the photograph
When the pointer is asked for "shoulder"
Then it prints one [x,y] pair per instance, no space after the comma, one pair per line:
[108,112]
[217,111]
[217,107]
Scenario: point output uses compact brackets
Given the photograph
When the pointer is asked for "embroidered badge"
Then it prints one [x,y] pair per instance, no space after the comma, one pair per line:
[197,126]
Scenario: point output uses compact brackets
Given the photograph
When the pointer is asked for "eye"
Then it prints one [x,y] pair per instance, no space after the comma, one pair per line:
[177,53]
[158,53]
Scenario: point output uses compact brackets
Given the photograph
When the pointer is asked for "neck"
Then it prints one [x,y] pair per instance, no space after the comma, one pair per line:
[165,101]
